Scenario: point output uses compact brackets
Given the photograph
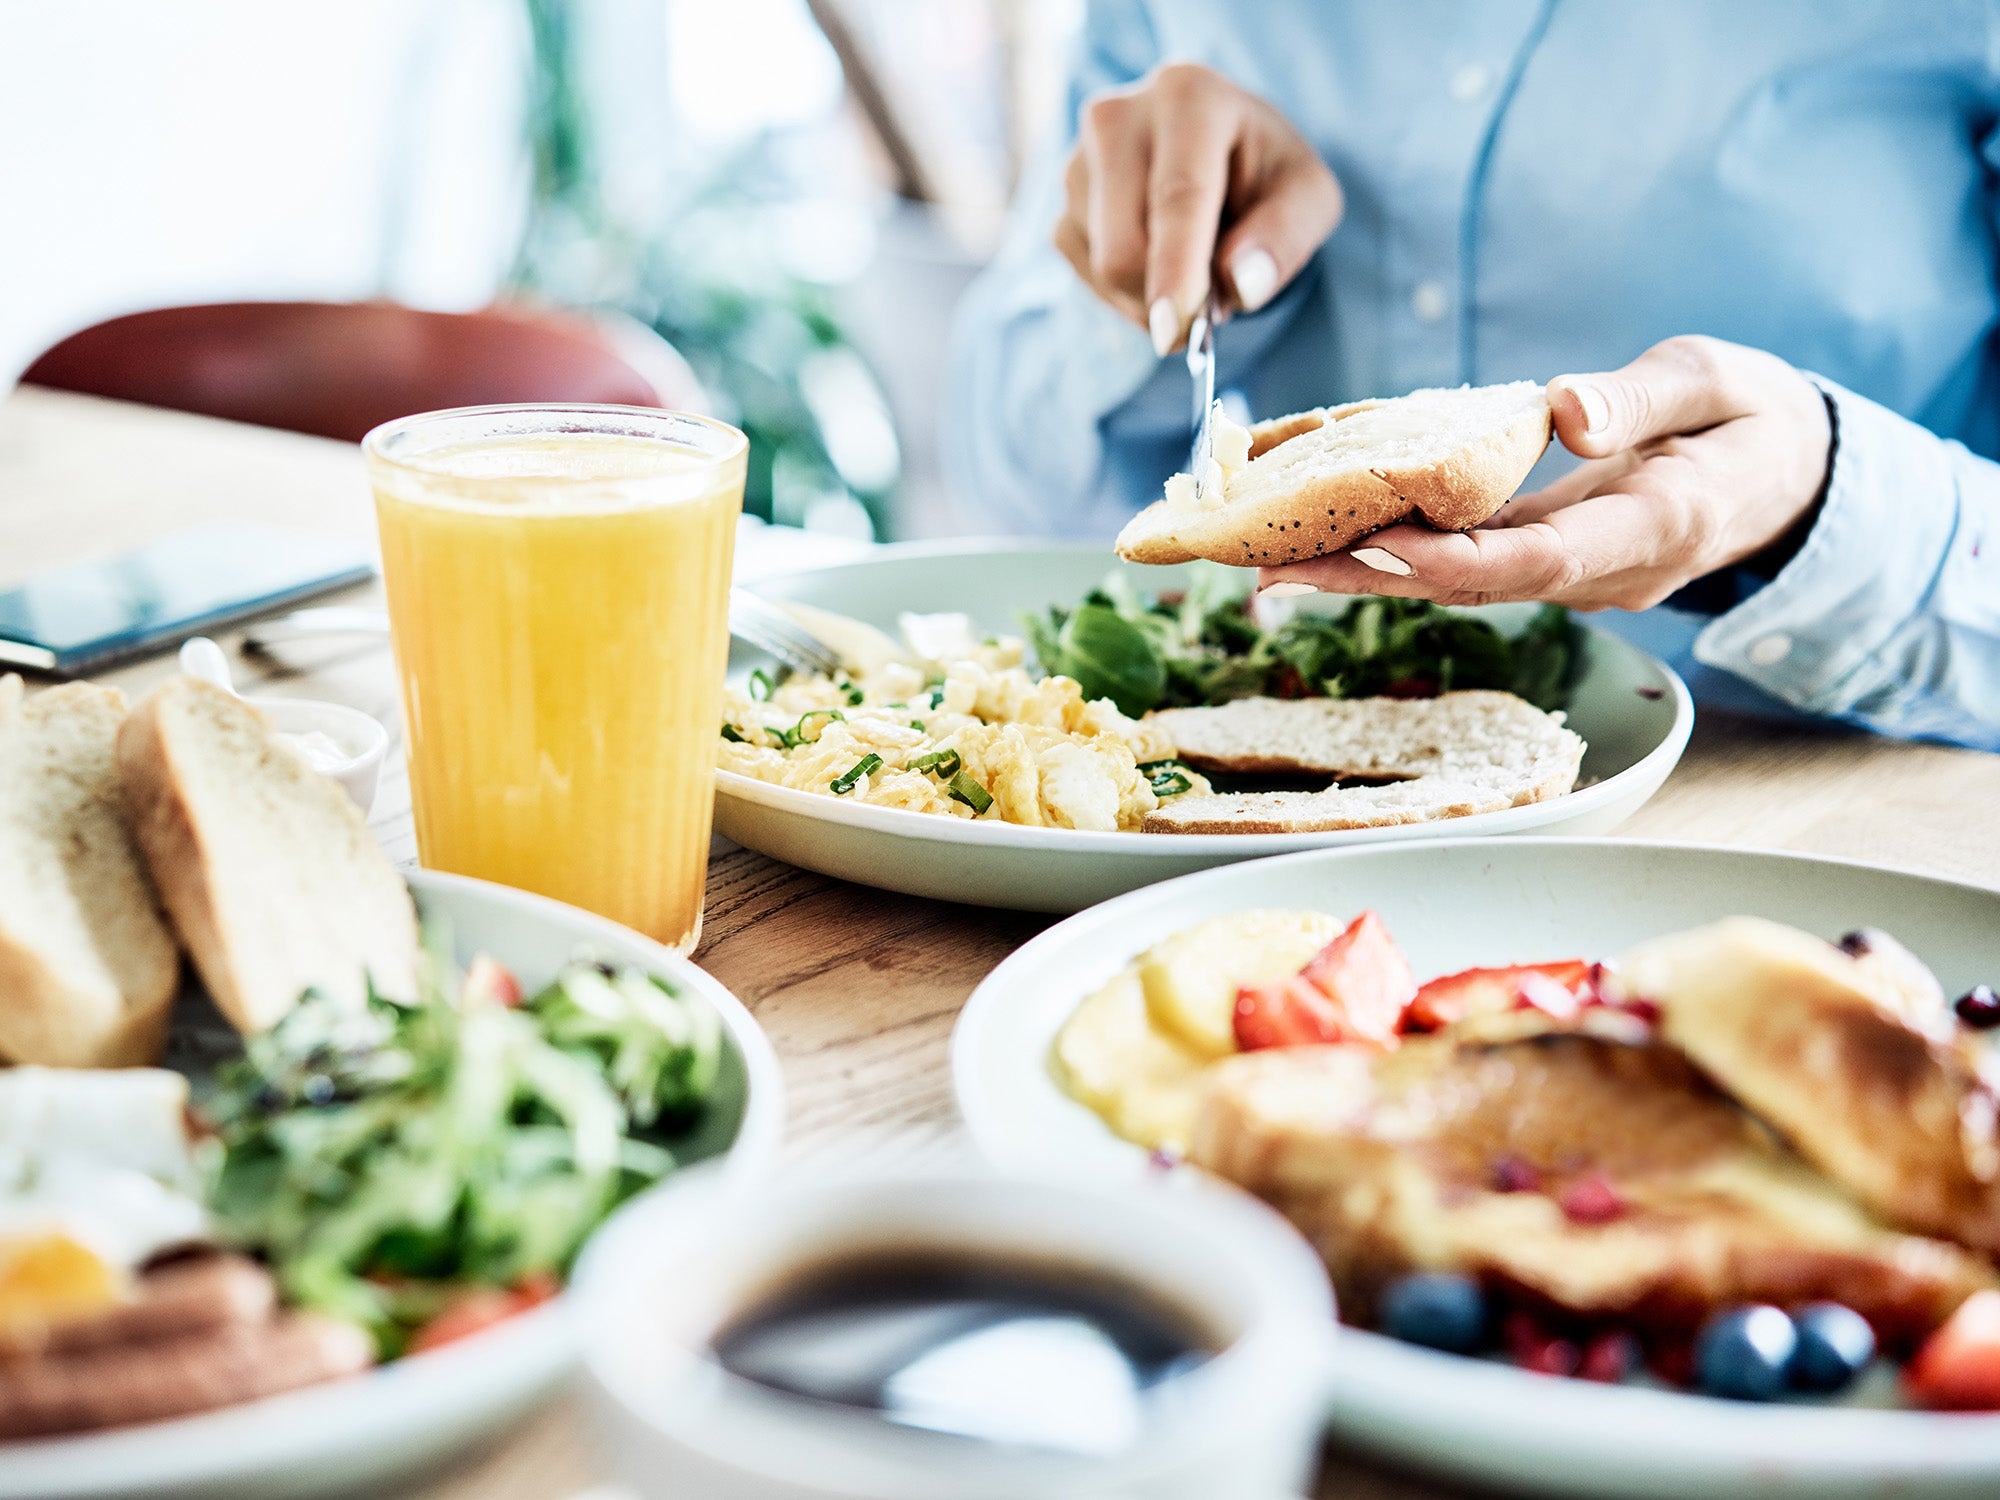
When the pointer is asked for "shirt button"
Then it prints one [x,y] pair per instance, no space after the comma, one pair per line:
[1771,650]
[1470,81]
[1430,301]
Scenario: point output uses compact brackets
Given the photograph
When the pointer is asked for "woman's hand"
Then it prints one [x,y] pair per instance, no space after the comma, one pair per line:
[1704,453]
[1159,168]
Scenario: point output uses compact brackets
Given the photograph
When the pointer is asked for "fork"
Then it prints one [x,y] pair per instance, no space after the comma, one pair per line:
[757,622]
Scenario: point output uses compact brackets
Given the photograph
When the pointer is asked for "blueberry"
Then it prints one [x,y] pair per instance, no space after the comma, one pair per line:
[1979,1007]
[1437,1309]
[1743,1353]
[1835,1345]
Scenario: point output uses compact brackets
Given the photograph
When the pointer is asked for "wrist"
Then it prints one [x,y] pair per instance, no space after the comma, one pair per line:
[1769,560]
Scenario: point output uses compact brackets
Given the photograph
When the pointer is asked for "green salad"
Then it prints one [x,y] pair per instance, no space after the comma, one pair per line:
[392,1160]
[1203,647]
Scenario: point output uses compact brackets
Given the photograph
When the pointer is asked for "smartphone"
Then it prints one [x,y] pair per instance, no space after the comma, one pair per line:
[80,619]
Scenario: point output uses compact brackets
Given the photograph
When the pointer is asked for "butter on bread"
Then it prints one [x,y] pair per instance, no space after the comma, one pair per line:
[266,868]
[1318,481]
[87,966]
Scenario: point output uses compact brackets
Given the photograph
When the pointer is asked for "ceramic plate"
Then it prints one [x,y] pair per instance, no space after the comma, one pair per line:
[1631,708]
[352,1435]
[1453,905]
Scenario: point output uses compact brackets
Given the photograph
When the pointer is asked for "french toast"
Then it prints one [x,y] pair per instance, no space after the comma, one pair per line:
[1857,1062]
[1609,1179]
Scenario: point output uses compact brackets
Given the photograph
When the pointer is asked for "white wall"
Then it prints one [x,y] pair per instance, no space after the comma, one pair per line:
[155,152]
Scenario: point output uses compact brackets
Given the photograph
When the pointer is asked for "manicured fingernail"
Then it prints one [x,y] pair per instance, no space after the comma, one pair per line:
[1255,276]
[1382,561]
[1286,588]
[1591,401]
[1164,324]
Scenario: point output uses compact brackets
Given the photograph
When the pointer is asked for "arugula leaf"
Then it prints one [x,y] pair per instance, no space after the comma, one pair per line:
[1547,657]
[1202,646]
[1111,657]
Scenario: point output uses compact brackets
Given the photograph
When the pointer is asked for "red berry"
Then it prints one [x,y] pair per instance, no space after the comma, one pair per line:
[1979,1007]
[1591,1199]
[1609,1357]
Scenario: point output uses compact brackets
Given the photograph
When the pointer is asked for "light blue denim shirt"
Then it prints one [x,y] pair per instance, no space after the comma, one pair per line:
[1543,186]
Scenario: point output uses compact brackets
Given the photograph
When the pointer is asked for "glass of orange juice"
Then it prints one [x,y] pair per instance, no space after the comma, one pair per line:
[558,581]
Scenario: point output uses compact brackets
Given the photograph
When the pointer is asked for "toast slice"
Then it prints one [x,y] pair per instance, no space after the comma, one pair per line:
[1442,757]
[1445,1155]
[87,966]
[1322,480]
[1876,1085]
[266,868]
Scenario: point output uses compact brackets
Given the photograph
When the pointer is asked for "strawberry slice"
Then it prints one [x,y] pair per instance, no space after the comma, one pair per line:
[1475,992]
[1958,1367]
[1364,973]
[1286,1012]
[1352,990]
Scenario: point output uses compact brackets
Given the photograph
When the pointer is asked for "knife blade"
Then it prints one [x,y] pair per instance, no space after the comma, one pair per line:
[1201,368]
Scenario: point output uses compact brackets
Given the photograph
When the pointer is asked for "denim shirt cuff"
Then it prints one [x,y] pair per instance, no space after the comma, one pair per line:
[1808,636]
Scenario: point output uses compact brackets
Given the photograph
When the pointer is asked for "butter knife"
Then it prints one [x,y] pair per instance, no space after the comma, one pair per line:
[1201,367]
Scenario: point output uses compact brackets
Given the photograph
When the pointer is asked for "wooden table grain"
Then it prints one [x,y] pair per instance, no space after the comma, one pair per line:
[857,988]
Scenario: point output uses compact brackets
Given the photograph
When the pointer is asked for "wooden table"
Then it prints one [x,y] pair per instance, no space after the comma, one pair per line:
[857,988]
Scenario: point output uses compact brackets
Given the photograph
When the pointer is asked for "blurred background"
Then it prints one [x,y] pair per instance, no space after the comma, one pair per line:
[792,193]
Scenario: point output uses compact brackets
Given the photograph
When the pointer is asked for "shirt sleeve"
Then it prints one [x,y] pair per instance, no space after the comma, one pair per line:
[1889,614]
[1058,417]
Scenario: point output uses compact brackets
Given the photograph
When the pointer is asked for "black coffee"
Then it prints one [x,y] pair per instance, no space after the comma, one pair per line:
[1023,1352]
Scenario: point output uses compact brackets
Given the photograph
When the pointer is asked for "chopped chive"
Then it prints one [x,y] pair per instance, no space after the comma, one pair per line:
[1167,777]
[916,724]
[761,686]
[945,764]
[937,698]
[796,735]
[841,785]
[732,734]
[964,789]
[854,694]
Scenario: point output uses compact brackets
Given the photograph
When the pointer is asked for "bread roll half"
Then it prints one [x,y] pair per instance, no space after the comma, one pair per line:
[1322,480]
[266,868]
[87,967]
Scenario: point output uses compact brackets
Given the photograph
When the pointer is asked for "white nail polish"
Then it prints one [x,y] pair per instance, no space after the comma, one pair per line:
[1286,588]
[1255,277]
[1596,409]
[1164,324]
[1382,561]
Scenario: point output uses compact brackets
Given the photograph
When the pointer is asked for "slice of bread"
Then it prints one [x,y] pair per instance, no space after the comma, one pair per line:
[267,869]
[1442,757]
[87,966]
[1322,480]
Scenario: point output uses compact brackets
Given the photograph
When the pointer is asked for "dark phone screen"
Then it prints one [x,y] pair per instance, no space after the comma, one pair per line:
[118,606]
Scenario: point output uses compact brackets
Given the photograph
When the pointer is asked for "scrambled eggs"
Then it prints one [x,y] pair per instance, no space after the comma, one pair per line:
[972,735]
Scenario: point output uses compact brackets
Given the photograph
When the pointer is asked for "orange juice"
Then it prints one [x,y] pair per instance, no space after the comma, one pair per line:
[558,587]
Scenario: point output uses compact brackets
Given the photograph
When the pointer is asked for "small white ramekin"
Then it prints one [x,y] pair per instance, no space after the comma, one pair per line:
[361,736]
[660,1280]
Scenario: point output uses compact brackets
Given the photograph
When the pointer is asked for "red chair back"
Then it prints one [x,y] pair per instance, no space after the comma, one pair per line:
[338,369]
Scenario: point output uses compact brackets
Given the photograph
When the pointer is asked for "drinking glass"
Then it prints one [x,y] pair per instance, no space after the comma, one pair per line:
[558,582]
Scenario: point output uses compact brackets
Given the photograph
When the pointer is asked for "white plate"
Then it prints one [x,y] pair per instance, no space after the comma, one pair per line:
[1630,707]
[1452,905]
[354,1434]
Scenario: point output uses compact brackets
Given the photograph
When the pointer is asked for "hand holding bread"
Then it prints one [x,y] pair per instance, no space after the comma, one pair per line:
[1702,455]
